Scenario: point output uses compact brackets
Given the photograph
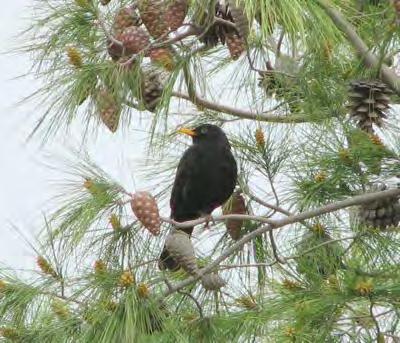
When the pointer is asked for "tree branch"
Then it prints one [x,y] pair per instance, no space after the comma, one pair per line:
[370,59]
[244,114]
[275,224]
[206,219]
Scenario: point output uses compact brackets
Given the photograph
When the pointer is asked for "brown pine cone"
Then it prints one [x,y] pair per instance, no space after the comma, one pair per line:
[125,18]
[176,13]
[236,45]
[162,57]
[152,13]
[109,110]
[145,208]
[134,39]
[235,205]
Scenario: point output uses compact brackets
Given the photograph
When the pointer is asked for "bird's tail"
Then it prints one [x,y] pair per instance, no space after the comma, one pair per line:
[166,261]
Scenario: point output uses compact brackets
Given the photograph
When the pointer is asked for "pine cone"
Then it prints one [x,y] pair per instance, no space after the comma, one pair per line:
[180,248]
[247,302]
[162,57]
[212,282]
[126,279]
[60,309]
[143,290]
[125,18]
[236,45]
[145,208]
[235,205]
[176,13]
[152,13]
[109,110]
[99,267]
[382,213]
[105,2]
[216,32]
[369,101]
[75,57]
[45,267]
[134,39]
[152,89]
[235,38]
[259,136]
[115,222]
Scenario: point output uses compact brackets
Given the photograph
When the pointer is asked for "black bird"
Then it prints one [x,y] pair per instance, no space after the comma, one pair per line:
[205,179]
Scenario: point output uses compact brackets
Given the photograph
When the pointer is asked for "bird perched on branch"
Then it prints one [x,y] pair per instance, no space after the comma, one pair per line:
[205,179]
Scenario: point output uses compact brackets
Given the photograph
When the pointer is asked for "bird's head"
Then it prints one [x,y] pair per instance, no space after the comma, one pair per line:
[206,133]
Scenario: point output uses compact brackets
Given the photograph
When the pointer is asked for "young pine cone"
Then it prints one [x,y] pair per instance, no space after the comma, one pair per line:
[145,208]
[45,267]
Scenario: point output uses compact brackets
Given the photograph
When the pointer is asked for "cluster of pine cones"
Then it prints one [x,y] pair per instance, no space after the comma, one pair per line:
[134,28]
[142,28]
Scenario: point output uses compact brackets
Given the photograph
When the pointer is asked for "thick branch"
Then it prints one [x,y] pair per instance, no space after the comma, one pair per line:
[275,224]
[370,60]
[244,114]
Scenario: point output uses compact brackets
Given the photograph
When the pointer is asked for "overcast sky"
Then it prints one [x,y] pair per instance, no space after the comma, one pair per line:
[25,183]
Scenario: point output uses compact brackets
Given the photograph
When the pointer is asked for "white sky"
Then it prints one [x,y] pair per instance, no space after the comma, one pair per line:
[25,186]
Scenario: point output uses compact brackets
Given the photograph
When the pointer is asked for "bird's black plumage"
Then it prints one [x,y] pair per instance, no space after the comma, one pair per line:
[205,179]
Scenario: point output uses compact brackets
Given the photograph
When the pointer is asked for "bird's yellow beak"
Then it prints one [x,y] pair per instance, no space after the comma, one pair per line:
[187,131]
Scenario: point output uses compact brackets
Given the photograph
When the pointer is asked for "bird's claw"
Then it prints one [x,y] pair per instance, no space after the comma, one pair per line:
[209,218]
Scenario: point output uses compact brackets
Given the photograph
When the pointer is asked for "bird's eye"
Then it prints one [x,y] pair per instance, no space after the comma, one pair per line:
[203,130]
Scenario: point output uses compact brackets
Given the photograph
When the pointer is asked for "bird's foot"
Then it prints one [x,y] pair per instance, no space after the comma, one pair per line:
[209,218]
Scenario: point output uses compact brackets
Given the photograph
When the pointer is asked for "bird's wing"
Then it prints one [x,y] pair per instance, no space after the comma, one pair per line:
[184,174]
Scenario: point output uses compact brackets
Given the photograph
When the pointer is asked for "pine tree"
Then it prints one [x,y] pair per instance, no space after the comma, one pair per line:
[307,249]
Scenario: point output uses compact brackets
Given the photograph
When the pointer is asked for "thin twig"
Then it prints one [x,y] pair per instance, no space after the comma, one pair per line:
[275,248]
[195,301]
[270,206]
[279,44]
[371,311]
